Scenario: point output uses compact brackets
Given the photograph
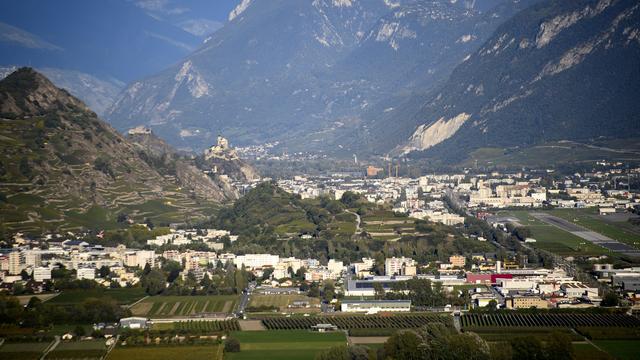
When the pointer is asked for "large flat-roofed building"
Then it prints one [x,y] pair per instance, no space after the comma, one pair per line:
[134,323]
[579,290]
[526,302]
[253,261]
[365,287]
[375,306]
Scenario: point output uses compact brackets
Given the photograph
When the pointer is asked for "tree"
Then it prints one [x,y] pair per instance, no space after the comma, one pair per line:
[79,330]
[24,275]
[467,346]
[328,291]
[403,345]
[25,168]
[558,346]
[378,290]
[527,348]
[153,282]
[34,303]
[147,269]
[18,288]
[350,199]
[610,299]
[492,306]
[231,345]
[172,268]
[314,290]
[344,352]
[104,271]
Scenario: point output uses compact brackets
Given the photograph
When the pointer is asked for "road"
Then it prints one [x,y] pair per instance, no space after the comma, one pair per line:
[50,348]
[586,234]
[244,300]
[358,221]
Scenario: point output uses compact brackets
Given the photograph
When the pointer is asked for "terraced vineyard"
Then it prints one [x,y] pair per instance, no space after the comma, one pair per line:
[357,322]
[548,320]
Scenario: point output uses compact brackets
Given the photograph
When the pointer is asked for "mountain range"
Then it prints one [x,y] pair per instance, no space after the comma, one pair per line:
[64,167]
[93,48]
[556,71]
[420,78]
[324,63]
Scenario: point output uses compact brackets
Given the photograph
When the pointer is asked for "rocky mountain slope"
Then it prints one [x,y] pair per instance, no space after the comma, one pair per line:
[62,166]
[558,70]
[324,63]
[97,93]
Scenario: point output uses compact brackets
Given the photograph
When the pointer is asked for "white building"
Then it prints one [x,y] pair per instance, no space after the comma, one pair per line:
[32,258]
[335,267]
[86,273]
[16,262]
[375,306]
[399,266]
[253,261]
[41,274]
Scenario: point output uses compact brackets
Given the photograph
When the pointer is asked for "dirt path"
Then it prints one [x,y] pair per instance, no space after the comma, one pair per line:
[251,325]
[368,339]
[358,221]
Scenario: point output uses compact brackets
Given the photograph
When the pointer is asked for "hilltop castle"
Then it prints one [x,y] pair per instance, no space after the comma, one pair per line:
[220,150]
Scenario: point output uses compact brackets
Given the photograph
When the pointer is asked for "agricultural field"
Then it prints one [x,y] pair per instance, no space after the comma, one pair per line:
[123,296]
[207,326]
[357,322]
[24,299]
[23,351]
[344,225]
[567,320]
[494,334]
[613,226]
[184,306]
[282,302]
[93,349]
[553,239]
[620,349]
[386,225]
[196,352]
[283,345]
[587,351]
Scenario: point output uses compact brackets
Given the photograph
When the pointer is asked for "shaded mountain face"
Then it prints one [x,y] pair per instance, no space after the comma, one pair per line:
[558,70]
[62,166]
[303,72]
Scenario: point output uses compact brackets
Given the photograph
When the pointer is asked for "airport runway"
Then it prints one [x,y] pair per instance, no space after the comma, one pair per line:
[584,233]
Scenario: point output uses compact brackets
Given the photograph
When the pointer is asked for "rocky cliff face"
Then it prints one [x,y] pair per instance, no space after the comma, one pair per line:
[558,70]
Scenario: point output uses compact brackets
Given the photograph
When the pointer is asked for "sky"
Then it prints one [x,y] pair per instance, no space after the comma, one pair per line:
[199,17]
[120,39]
